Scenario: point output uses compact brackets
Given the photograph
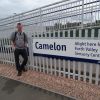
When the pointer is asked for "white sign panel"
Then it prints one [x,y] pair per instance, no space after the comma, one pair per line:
[75,48]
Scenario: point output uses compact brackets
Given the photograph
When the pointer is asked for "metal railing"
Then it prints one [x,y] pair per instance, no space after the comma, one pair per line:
[69,14]
[84,71]
[65,19]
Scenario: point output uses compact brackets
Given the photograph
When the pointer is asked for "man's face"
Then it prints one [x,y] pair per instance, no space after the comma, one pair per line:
[19,27]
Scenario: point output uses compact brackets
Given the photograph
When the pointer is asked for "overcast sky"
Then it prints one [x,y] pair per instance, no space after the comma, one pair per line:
[9,7]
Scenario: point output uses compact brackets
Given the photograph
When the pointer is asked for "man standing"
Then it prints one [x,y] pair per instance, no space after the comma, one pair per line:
[19,42]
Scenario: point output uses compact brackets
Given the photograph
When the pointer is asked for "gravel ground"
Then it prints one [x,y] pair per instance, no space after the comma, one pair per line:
[68,87]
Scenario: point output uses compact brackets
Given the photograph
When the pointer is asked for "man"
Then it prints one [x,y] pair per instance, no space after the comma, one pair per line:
[19,42]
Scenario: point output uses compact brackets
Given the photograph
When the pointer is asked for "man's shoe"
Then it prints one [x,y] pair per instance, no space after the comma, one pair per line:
[24,70]
[19,73]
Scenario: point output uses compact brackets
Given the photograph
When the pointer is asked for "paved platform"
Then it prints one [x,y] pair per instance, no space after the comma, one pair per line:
[60,85]
[14,90]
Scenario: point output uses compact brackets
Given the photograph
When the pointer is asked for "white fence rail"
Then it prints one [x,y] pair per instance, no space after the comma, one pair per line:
[75,19]
[88,72]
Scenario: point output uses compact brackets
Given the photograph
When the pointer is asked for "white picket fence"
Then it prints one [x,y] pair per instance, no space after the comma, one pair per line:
[88,72]
[75,19]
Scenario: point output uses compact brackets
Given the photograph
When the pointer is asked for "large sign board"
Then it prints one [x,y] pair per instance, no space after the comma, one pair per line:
[77,49]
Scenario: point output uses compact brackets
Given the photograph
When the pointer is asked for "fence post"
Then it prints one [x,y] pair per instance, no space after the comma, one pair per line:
[30,50]
[82,14]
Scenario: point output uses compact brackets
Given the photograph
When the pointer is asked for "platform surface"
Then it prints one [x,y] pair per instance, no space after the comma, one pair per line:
[14,90]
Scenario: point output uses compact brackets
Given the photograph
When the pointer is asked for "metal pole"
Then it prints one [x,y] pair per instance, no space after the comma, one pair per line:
[91,15]
[41,22]
[19,18]
[14,20]
[82,24]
